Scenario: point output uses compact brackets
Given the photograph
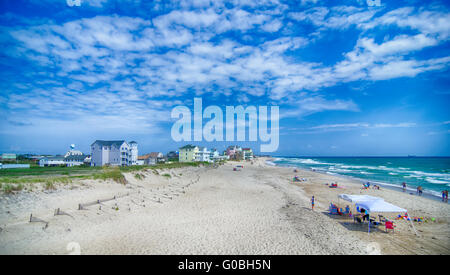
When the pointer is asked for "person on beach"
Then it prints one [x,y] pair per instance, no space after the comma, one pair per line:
[404,186]
[312,203]
[419,190]
[445,196]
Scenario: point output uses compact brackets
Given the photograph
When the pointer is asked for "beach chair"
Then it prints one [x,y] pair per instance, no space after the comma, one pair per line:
[389,225]
[382,219]
[333,209]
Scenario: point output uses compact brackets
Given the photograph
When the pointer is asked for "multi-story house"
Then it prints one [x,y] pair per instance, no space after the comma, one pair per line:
[134,152]
[247,153]
[203,154]
[112,152]
[187,153]
[234,152]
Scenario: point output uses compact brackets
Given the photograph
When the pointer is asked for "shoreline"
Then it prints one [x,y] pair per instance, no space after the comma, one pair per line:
[409,191]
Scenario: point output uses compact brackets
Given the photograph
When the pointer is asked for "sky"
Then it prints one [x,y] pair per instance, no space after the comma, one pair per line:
[350,79]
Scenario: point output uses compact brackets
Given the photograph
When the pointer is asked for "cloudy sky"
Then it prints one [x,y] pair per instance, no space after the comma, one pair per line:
[349,78]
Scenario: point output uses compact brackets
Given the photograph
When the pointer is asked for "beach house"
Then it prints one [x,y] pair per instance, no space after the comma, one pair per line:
[234,152]
[247,153]
[134,152]
[52,161]
[113,152]
[215,156]
[172,155]
[151,159]
[187,153]
[75,160]
[202,154]
[8,157]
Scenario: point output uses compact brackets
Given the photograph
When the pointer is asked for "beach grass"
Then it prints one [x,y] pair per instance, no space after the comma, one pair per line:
[25,178]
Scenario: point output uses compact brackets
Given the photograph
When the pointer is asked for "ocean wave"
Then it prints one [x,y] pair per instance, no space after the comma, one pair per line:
[426,174]
[311,161]
[435,181]
[337,170]
[305,161]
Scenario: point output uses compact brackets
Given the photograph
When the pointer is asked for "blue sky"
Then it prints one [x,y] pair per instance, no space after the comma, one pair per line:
[349,78]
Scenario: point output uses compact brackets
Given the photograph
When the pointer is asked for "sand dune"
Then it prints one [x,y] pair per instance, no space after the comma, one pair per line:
[206,210]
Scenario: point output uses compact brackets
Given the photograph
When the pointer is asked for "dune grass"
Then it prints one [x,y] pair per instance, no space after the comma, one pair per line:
[49,177]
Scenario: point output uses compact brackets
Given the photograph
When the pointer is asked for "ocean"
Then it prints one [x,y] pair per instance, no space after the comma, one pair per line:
[432,173]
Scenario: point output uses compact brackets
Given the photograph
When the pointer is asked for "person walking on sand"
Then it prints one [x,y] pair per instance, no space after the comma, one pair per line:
[446,196]
[443,195]
[312,203]
[404,186]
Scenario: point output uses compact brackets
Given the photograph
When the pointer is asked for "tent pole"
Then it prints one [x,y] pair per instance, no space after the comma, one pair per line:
[412,224]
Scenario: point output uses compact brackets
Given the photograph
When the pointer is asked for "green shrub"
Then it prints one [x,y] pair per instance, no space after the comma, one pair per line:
[7,188]
[49,185]
[167,175]
[111,173]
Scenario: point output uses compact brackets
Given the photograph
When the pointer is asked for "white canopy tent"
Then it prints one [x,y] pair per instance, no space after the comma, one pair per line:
[383,207]
[374,204]
[358,198]
[380,206]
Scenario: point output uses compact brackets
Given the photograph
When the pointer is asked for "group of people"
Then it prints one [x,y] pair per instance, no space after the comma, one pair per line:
[367,186]
[419,191]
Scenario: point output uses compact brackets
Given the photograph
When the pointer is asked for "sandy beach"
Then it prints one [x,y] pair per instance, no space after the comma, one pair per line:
[208,210]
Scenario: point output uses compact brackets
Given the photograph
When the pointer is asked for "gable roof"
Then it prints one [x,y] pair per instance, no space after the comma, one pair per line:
[189,146]
[154,154]
[117,143]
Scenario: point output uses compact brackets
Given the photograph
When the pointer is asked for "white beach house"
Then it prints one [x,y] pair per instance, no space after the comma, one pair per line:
[203,154]
[113,152]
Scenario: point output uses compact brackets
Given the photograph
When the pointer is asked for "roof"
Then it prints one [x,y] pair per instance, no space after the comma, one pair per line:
[247,149]
[154,154]
[144,157]
[117,143]
[133,142]
[54,158]
[189,146]
[76,157]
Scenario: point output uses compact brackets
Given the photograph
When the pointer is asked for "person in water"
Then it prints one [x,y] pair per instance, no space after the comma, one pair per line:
[404,186]
[419,190]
